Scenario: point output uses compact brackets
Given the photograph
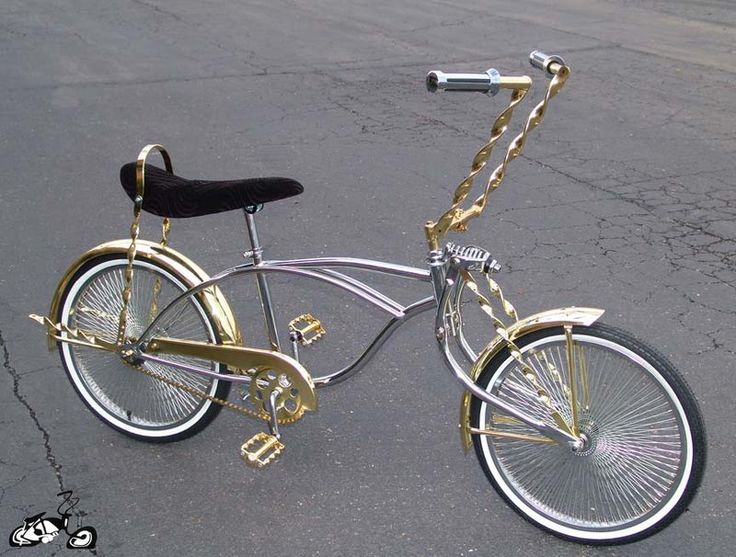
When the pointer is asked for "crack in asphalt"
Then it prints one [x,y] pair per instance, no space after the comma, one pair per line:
[50,457]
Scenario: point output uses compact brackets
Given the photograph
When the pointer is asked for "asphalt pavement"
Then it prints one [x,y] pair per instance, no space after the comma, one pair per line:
[624,199]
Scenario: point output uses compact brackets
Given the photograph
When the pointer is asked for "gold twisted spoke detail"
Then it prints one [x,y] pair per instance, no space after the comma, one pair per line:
[529,374]
[552,370]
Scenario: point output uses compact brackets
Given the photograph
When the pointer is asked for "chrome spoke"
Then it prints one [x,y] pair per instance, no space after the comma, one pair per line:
[129,395]
[634,449]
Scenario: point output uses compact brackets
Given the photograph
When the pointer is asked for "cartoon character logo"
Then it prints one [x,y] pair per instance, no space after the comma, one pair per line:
[39,529]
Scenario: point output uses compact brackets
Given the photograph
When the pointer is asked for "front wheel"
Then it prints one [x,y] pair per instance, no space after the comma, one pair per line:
[644,441]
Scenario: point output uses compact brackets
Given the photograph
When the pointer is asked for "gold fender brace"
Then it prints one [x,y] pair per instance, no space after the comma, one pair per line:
[560,317]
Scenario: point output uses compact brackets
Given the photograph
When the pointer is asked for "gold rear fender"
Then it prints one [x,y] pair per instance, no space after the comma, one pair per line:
[180,266]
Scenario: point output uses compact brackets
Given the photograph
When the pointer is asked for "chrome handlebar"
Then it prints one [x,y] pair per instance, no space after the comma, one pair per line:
[488,82]
[548,64]
[491,81]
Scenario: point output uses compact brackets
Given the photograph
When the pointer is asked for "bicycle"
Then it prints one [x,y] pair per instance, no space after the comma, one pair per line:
[582,429]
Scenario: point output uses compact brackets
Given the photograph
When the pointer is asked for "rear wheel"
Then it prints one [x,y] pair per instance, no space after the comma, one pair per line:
[644,450]
[120,395]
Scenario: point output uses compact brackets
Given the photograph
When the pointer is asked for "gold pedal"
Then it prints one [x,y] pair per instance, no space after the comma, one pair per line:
[261,450]
[307,328]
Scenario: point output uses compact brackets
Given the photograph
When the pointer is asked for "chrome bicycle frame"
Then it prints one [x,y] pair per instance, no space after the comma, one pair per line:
[322,269]
[444,275]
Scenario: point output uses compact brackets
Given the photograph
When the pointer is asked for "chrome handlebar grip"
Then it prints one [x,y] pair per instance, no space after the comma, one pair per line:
[548,64]
[488,82]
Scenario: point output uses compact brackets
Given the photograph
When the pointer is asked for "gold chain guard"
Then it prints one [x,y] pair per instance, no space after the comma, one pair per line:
[291,405]
[246,359]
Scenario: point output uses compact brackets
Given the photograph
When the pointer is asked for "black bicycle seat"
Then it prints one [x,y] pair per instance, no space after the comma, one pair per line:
[168,195]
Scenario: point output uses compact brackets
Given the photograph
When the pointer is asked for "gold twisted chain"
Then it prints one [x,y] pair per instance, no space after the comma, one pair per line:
[140,169]
[127,288]
[165,228]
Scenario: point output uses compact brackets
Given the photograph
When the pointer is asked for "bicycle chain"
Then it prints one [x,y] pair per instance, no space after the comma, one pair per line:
[222,402]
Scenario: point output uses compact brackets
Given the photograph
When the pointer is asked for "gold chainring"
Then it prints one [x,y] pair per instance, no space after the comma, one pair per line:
[265,381]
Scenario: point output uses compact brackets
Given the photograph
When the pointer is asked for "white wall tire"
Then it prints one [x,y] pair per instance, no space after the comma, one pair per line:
[128,400]
[646,454]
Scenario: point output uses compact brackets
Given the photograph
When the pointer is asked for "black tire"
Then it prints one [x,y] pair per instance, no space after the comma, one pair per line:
[645,452]
[127,400]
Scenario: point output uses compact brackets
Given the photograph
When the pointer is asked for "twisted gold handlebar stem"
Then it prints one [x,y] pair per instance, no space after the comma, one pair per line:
[456,218]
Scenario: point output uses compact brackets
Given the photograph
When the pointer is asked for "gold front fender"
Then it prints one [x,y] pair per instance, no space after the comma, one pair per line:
[544,320]
[188,272]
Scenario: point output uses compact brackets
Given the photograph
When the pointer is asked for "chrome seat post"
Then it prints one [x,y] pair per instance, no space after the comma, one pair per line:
[256,254]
